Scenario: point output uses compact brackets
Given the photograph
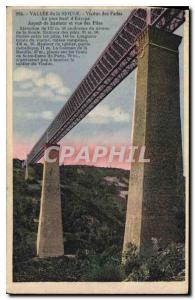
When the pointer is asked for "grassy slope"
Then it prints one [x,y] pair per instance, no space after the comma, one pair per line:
[93,211]
[93,214]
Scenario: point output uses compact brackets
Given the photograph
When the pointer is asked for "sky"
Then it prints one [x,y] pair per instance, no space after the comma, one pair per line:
[40,92]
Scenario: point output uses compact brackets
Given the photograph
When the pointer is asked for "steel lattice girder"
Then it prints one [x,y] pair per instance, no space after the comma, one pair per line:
[117,61]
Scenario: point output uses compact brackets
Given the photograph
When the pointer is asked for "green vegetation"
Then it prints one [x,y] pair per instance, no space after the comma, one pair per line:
[165,265]
[93,212]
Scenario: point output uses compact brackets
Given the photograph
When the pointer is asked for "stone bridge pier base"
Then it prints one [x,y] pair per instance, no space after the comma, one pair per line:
[153,195]
[50,232]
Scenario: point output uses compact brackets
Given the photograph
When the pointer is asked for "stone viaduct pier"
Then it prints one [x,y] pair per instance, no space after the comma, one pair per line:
[146,41]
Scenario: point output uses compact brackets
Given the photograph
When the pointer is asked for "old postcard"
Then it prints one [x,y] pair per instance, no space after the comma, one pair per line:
[97,150]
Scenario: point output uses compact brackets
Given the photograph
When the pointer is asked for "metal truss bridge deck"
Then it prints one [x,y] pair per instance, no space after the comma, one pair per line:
[117,61]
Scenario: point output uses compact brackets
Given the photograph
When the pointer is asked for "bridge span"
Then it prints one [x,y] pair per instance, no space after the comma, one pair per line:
[115,63]
[146,41]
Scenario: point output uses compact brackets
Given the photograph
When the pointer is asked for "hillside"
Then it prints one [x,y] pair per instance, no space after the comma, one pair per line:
[93,213]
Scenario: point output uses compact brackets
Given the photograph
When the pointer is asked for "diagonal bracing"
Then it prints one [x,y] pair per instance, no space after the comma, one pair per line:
[115,63]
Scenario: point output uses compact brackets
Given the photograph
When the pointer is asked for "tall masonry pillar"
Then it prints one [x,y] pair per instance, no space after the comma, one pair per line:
[50,232]
[153,187]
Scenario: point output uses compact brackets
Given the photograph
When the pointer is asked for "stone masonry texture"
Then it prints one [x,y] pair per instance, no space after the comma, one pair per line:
[153,187]
[50,232]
